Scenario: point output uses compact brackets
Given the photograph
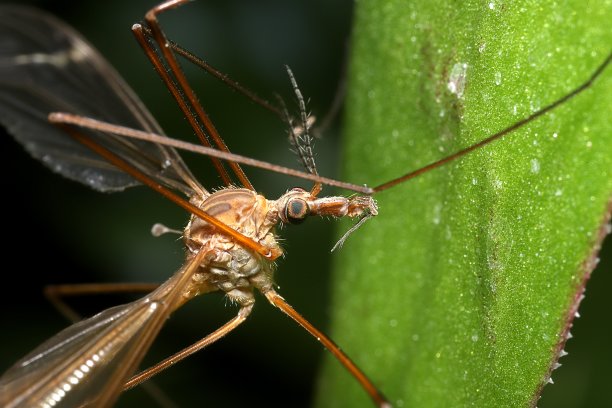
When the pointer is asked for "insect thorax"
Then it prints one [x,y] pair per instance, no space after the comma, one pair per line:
[229,266]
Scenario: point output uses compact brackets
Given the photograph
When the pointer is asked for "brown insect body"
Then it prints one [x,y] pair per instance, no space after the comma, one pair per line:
[230,238]
[235,270]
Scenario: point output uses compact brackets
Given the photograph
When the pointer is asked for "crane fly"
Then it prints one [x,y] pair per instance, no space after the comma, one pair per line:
[230,240]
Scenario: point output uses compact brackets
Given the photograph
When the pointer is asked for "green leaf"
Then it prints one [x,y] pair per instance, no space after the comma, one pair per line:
[462,291]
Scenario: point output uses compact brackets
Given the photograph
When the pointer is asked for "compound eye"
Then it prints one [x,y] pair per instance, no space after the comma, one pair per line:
[296,211]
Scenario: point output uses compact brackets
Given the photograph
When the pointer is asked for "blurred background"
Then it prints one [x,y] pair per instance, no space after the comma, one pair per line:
[61,232]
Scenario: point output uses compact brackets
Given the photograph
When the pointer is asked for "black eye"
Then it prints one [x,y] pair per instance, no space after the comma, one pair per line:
[296,211]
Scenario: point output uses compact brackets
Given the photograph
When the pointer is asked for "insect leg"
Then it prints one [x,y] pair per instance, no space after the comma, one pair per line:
[278,301]
[243,313]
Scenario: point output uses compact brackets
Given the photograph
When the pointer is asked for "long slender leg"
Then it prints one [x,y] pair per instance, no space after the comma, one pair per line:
[243,313]
[194,59]
[501,133]
[61,118]
[378,398]
[183,84]
[178,97]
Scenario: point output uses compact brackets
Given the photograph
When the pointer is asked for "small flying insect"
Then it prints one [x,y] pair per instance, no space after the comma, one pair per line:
[230,239]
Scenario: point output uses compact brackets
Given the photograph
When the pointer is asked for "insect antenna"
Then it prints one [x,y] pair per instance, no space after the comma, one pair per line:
[299,134]
[301,140]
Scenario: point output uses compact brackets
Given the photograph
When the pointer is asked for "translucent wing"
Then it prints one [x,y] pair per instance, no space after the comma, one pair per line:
[75,365]
[46,66]
[90,361]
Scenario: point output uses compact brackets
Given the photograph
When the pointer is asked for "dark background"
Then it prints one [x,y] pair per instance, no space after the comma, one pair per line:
[61,232]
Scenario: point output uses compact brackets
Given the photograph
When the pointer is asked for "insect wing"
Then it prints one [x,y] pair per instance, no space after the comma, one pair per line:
[90,361]
[75,366]
[46,66]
